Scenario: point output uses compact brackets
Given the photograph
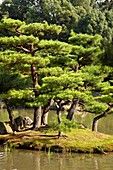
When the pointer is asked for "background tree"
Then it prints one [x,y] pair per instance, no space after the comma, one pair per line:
[83,3]
[81,16]
[16,9]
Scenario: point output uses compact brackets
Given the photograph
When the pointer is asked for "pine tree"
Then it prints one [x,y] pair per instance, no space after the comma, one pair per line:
[24,41]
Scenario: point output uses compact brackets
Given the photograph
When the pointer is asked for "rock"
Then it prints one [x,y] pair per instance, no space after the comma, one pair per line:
[8,128]
[27,121]
[5,128]
[19,123]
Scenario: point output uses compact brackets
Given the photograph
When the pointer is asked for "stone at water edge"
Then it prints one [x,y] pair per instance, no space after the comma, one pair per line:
[5,128]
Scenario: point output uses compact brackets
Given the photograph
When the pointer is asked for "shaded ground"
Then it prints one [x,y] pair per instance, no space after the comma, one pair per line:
[78,140]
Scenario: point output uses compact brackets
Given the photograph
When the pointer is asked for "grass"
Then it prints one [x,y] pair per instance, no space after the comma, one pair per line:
[77,140]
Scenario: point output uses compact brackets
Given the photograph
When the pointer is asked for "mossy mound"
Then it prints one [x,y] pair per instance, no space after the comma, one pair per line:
[77,140]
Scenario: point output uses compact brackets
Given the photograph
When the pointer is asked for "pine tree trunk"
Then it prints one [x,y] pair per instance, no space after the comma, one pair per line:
[58,111]
[37,117]
[59,115]
[96,119]
[44,119]
[59,107]
[34,79]
[11,115]
[95,124]
[72,109]
[37,110]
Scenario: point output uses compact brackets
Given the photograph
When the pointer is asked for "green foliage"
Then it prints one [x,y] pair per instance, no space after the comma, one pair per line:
[10,80]
[65,126]
[84,3]
[65,71]
[87,48]
[95,107]
[28,30]
[38,29]
[17,9]
[10,23]
[59,12]
[18,41]
[12,59]
[107,58]
[85,40]
[96,22]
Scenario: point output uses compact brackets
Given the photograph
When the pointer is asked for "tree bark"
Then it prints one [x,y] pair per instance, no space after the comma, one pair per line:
[59,107]
[34,79]
[44,118]
[95,120]
[72,109]
[58,111]
[37,110]
[37,117]
[11,115]
[60,104]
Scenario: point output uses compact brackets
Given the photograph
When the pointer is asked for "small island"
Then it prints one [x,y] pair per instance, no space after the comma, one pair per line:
[75,141]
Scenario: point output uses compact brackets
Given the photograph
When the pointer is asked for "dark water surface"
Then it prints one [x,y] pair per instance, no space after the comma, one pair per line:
[34,160]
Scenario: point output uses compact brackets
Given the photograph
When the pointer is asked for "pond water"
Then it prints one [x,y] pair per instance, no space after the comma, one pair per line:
[34,160]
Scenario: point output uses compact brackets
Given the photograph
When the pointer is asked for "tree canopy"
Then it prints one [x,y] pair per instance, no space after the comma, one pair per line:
[42,68]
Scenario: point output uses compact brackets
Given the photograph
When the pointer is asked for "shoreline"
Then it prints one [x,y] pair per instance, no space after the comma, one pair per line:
[75,141]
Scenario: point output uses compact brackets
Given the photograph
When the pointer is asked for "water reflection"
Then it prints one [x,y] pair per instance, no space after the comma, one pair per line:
[33,160]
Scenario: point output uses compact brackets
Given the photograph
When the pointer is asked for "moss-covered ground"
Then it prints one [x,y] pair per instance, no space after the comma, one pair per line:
[77,140]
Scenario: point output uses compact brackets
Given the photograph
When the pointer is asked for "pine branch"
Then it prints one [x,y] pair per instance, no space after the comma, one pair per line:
[23,49]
